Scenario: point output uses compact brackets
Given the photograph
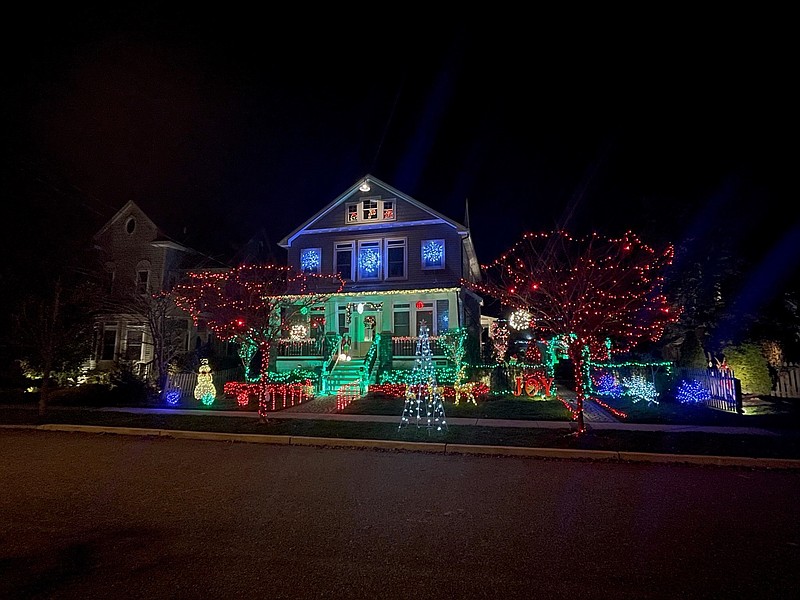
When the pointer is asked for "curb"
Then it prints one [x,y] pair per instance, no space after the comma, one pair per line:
[434,448]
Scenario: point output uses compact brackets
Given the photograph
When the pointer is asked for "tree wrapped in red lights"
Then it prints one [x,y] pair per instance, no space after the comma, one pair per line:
[252,304]
[586,290]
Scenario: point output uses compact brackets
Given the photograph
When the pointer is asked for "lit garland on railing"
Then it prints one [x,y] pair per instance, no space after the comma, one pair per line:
[369,361]
[631,363]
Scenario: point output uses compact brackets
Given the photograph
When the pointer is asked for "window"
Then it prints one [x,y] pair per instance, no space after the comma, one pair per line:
[108,350]
[142,282]
[133,344]
[344,260]
[369,261]
[401,320]
[110,275]
[310,260]
[433,254]
[442,316]
[130,225]
[396,259]
[370,209]
[341,320]
[182,335]
[424,316]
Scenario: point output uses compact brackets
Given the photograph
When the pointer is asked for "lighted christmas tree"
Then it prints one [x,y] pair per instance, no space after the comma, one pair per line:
[423,392]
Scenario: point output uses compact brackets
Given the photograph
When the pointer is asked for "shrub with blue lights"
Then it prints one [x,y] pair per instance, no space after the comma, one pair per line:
[691,391]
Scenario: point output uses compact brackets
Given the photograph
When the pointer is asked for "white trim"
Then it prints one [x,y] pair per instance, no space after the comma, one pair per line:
[386,246]
[350,246]
[373,226]
[373,243]
[352,191]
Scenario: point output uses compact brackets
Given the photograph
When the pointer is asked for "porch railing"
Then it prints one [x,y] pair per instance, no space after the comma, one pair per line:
[306,347]
[407,346]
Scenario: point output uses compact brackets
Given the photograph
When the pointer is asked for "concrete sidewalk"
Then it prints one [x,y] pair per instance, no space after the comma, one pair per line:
[596,418]
[591,422]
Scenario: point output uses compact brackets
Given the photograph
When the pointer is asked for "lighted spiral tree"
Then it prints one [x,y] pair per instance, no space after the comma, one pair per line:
[253,304]
[585,290]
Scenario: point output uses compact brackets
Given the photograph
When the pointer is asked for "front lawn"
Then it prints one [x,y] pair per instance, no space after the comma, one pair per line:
[499,408]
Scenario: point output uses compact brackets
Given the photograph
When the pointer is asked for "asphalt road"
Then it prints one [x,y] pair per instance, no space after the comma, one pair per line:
[96,516]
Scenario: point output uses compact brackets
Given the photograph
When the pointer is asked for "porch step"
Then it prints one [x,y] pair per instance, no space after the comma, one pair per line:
[344,372]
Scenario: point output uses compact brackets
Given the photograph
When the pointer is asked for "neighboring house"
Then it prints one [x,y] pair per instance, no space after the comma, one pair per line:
[140,261]
[403,264]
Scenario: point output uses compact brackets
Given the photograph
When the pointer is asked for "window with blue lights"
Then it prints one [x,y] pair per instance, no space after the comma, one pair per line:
[369,261]
[310,260]
[433,254]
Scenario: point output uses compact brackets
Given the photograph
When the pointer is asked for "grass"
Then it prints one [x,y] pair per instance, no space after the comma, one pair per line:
[785,443]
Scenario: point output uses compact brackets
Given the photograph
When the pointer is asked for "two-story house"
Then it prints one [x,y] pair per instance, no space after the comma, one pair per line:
[403,264]
[140,261]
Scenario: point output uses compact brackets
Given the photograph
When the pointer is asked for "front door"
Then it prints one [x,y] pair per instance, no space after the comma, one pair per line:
[362,331]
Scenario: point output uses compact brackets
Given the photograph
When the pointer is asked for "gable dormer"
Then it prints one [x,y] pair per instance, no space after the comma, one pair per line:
[368,205]
[375,235]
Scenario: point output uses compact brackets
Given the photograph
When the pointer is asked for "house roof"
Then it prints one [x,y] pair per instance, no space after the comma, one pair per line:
[371,181]
[162,240]
[130,207]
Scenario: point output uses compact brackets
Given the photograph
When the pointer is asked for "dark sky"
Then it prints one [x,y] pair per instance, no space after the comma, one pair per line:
[672,125]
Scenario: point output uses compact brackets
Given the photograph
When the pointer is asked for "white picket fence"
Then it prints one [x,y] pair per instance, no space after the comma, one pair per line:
[788,384]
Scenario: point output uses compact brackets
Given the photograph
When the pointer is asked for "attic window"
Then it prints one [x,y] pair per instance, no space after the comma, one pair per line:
[370,209]
[130,225]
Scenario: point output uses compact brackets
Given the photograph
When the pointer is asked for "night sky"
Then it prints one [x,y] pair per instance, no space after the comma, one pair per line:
[675,126]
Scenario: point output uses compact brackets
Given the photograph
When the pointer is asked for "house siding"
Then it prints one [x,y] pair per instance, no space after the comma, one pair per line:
[126,251]
[416,276]
[337,216]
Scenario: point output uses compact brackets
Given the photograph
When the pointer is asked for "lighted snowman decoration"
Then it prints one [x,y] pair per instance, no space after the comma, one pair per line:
[205,390]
